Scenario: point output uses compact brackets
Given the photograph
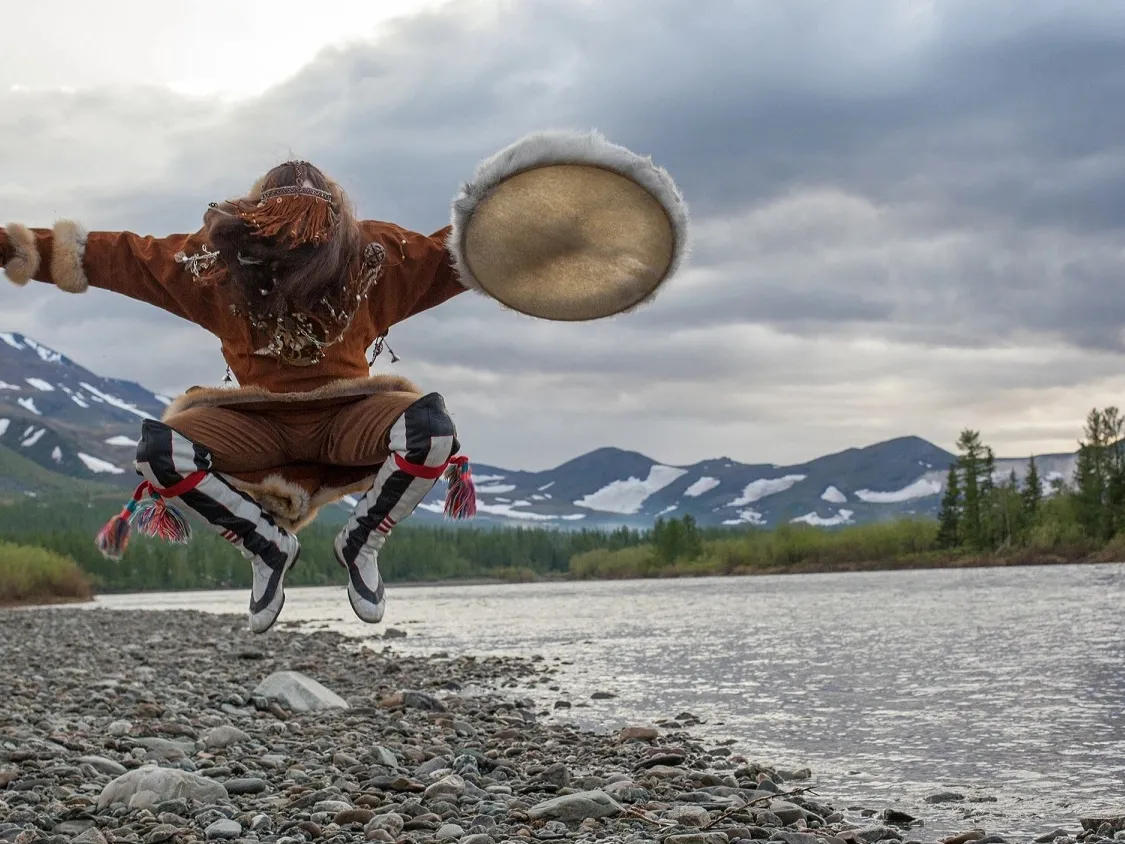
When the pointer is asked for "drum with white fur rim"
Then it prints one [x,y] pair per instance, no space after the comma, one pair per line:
[568,227]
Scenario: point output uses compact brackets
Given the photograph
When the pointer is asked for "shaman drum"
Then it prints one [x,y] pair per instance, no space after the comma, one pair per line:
[568,227]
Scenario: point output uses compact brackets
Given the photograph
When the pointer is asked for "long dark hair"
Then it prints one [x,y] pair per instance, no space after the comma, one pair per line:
[292,245]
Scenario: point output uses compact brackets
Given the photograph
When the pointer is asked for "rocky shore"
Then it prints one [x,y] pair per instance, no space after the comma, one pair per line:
[180,727]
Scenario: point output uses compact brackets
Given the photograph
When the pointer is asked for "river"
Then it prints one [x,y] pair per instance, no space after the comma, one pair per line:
[1005,685]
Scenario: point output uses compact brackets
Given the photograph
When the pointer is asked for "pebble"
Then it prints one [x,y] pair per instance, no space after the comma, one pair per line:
[182,727]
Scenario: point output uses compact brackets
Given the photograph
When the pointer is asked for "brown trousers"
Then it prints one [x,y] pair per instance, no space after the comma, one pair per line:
[333,434]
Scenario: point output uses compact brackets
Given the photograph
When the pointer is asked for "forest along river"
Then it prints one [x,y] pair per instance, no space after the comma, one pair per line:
[1006,685]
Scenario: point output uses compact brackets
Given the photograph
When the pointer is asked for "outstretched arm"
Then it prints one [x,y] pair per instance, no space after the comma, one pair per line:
[418,273]
[140,267]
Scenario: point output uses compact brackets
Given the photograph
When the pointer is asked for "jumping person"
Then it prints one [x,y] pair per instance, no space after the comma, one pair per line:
[298,290]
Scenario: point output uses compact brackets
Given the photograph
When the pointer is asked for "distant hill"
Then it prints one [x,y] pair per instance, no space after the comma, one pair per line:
[60,422]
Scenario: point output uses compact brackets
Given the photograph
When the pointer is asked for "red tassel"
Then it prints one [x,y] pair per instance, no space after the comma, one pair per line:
[113,538]
[461,500]
[160,521]
[154,518]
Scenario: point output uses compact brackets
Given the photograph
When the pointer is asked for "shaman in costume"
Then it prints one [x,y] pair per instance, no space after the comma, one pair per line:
[557,226]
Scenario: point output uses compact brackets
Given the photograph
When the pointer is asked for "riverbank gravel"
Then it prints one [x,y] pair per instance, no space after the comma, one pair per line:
[179,727]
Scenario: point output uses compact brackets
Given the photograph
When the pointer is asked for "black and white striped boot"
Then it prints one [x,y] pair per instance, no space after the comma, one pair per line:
[179,471]
[422,444]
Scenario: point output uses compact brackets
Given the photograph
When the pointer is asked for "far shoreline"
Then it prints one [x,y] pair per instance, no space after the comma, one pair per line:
[977,563]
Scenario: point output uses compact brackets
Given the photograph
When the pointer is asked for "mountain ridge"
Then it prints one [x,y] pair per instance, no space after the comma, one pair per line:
[70,423]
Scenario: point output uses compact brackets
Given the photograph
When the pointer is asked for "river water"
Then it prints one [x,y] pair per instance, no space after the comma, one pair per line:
[1005,685]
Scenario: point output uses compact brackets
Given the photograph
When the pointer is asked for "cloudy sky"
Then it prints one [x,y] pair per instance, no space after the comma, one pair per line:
[909,215]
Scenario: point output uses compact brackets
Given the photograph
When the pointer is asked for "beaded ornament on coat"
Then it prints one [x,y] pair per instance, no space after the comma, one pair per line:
[297,215]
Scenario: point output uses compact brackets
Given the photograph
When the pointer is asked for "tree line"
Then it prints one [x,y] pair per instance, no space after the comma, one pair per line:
[983,513]
[983,518]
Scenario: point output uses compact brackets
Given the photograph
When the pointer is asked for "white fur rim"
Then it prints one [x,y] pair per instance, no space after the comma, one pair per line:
[24,263]
[67,253]
[565,147]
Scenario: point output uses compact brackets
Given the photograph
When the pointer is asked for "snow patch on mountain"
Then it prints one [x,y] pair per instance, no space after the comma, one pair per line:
[833,496]
[483,479]
[48,355]
[495,489]
[4,423]
[627,496]
[29,404]
[56,454]
[842,517]
[121,439]
[748,516]
[921,488]
[759,489]
[12,341]
[701,486]
[34,438]
[96,464]
[41,385]
[4,385]
[115,402]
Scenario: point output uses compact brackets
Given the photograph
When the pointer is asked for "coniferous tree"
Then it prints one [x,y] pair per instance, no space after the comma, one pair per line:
[949,516]
[971,462]
[1032,493]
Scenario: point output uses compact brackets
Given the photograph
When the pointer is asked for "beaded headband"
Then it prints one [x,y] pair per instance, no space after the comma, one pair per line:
[295,214]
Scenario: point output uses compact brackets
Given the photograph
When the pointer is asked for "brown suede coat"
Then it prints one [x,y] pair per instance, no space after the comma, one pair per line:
[416,273]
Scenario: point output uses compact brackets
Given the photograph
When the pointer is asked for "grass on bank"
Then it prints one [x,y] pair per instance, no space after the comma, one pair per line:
[795,548]
[31,575]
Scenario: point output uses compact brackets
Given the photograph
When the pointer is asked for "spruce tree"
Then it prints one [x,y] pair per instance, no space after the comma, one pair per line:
[949,516]
[971,460]
[1032,493]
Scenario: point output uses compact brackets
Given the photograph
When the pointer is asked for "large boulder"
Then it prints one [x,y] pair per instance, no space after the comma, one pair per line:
[298,693]
[144,787]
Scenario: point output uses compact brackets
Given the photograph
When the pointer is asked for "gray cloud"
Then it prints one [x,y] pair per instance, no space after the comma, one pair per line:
[896,205]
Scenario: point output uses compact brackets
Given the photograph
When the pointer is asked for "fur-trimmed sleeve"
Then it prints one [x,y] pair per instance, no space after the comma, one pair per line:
[140,267]
[417,273]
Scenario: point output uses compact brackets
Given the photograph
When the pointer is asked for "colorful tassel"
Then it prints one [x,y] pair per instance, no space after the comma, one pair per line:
[159,520]
[153,518]
[461,500]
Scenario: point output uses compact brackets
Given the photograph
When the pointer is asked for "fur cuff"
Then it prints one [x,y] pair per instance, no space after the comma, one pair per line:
[67,253]
[540,149]
[24,263]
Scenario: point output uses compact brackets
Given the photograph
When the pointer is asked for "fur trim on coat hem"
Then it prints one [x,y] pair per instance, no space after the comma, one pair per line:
[290,504]
[258,397]
[24,264]
[67,252]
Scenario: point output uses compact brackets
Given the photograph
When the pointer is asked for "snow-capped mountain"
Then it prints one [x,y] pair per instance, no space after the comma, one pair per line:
[59,421]
[61,416]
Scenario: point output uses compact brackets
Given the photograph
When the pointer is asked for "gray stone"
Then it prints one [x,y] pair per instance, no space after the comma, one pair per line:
[224,736]
[697,838]
[451,786]
[945,797]
[246,785]
[576,807]
[223,829]
[93,835]
[790,837]
[382,756]
[72,828]
[788,812]
[478,838]
[119,728]
[449,832]
[298,693]
[102,765]
[143,788]
[691,816]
